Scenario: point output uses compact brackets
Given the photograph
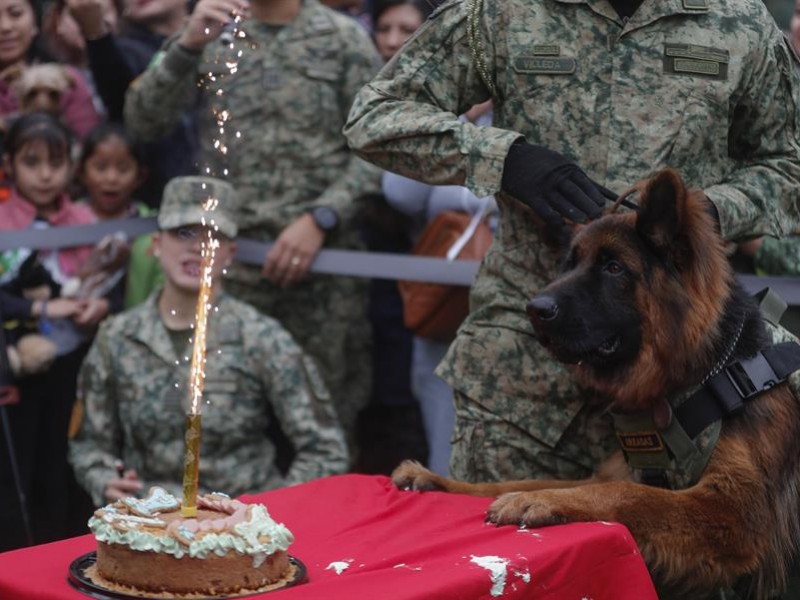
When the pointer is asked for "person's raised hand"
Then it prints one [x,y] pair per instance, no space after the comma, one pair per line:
[90,15]
[552,185]
[291,255]
[208,19]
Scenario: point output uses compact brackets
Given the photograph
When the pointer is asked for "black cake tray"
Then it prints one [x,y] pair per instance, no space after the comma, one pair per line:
[78,579]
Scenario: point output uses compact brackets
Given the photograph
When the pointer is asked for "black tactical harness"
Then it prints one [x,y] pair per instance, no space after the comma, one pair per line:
[676,455]
[739,381]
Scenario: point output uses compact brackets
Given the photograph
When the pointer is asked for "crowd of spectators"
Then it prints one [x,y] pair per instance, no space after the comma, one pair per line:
[104,103]
[90,133]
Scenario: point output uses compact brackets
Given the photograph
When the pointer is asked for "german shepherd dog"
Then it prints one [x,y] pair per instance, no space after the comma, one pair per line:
[645,307]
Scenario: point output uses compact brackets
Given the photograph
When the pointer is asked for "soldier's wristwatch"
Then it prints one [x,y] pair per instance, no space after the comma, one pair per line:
[325,217]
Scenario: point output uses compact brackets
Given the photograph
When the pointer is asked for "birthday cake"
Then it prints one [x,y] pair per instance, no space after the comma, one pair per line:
[146,545]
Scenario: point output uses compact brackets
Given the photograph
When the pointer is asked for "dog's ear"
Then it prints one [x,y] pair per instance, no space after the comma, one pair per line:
[661,218]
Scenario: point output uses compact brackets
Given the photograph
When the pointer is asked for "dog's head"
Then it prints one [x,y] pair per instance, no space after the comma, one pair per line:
[639,295]
[39,88]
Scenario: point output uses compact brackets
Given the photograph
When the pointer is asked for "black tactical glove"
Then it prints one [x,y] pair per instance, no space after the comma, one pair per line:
[552,185]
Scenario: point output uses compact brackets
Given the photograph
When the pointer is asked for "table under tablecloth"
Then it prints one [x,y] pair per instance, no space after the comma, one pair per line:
[362,539]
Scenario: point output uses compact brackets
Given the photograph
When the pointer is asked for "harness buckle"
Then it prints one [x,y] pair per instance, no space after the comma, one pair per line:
[749,377]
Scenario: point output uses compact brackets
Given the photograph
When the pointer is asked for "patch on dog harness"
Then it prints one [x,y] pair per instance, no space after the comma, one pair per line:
[640,441]
[680,460]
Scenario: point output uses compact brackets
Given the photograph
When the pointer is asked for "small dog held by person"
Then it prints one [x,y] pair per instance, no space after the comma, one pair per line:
[40,87]
[648,313]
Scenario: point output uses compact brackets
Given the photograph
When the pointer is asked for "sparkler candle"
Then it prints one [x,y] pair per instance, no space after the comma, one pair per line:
[191,462]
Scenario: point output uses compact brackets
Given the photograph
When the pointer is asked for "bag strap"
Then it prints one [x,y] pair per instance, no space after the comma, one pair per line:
[472,227]
[474,9]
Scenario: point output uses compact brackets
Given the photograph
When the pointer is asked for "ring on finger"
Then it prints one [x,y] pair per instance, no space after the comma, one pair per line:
[295,261]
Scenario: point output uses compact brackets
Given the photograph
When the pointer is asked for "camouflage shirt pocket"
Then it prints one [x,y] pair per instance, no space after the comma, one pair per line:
[700,142]
[309,100]
[551,83]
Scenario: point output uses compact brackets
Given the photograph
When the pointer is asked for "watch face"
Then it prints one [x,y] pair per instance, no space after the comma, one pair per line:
[325,217]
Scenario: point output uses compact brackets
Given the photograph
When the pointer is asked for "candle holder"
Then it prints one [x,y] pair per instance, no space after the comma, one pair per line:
[191,464]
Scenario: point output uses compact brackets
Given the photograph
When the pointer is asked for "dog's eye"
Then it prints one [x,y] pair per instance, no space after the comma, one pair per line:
[613,267]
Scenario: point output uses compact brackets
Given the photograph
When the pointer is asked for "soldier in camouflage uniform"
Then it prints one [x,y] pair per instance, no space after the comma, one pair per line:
[134,383]
[272,106]
[705,86]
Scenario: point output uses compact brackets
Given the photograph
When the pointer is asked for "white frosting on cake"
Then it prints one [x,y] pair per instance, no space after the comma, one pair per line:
[247,529]
[157,501]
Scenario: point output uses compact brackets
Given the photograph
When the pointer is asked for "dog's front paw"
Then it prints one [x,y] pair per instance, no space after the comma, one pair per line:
[411,475]
[529,509]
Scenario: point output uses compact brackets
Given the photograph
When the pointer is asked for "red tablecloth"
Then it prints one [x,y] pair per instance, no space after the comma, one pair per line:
[399,545]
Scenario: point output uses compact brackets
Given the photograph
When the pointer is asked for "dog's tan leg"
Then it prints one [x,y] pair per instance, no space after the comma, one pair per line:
[411,475]
[700,538]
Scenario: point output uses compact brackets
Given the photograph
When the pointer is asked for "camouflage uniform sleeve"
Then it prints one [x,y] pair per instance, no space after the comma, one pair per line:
[779,257]
[94,449]
[157,98]
[406,119]
[359,177]
[762,196]
[302,405]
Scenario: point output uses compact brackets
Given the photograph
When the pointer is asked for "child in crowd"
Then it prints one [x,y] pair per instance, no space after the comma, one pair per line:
[38,161]
[111,169]
[134,383]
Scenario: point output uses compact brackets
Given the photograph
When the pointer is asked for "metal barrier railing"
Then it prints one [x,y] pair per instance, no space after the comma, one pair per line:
[353,263]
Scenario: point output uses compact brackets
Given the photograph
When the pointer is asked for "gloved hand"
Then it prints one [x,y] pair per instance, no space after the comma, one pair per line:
[552,185]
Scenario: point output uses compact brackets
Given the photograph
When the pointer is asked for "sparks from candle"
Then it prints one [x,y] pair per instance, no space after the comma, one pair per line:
[197,373]
[208,252]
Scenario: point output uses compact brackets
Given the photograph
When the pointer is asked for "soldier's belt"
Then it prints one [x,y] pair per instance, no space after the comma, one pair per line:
[352,263]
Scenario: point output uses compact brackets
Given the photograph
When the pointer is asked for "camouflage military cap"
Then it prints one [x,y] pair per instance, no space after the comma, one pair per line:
[198,201]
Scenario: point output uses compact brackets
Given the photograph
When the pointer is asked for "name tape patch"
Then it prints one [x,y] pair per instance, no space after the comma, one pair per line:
[640,441]
[555,65]
[691,59]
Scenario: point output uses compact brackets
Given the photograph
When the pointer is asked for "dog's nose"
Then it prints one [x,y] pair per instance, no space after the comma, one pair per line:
[542,308]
